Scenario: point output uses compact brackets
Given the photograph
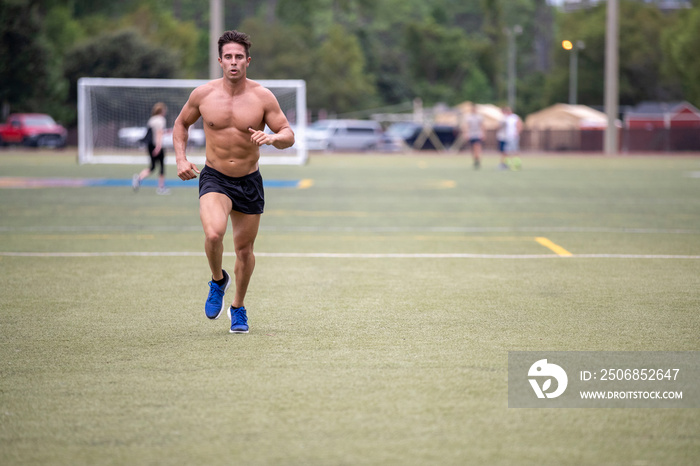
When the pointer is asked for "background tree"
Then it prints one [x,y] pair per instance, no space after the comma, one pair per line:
[340,82]
[356,55]
[29,68]
[160,28]
[682,43]
[641,55]
[121,54]
[278,51]
[533,51]
[443,64]
[641,29]
[492,53]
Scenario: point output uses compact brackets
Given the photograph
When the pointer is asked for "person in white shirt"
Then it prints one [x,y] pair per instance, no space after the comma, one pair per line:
[154,143]
[474,128]
[509,139]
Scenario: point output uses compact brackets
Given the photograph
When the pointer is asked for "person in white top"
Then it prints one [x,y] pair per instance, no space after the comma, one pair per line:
[509,139]
[474,128]
[154,143]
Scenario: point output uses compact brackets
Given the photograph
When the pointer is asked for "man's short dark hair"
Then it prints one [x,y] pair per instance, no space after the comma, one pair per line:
[229,37]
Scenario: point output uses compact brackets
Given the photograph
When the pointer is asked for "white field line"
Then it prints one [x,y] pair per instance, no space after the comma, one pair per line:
[317,229]
[322,255]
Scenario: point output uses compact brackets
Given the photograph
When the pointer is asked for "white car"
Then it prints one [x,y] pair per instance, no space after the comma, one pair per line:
[196,137]
[272,149]
[346,135]
[132,136]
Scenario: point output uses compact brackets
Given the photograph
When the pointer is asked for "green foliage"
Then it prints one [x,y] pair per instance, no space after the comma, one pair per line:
[681,43]
[31,60]
[121,54]
[161,28]
[476,87]
[21,54]
[105,8]
[278,52]
[354,54]
[492,53]
[641,55]
[62,29]
[340,82]
[443,63]
[298,12]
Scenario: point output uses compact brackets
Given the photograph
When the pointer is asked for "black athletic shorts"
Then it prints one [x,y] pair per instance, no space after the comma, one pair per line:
[160,158]
[246,192]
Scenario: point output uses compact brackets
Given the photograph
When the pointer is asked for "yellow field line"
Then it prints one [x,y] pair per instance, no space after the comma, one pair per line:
[305,183]
[554,247]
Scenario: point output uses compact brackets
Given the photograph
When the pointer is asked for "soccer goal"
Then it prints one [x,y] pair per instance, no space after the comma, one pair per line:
[112,116]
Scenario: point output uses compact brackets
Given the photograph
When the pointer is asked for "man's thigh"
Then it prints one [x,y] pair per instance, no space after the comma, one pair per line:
[214,210]
[245,228]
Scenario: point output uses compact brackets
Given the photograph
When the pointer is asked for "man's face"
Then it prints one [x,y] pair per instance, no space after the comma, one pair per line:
[233,61]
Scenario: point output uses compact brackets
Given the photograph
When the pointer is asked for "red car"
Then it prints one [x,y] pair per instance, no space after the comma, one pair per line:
[32,129]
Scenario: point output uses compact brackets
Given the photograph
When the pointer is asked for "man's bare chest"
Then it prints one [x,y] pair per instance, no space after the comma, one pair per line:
[240,113]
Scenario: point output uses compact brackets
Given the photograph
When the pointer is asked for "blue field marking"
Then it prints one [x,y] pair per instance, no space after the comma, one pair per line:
[153,182]
[28,183]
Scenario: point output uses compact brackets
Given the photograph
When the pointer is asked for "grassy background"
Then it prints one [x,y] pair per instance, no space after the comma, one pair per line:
[108,359]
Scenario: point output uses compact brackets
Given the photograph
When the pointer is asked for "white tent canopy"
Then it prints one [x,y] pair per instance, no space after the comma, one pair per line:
[566,117]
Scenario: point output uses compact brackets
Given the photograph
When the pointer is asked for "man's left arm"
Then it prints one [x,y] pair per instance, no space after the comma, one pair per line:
[282,136]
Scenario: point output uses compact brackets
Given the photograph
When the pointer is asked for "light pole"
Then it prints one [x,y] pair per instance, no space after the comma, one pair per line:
[511,33]
[216,28]
[612,75]
[573,67]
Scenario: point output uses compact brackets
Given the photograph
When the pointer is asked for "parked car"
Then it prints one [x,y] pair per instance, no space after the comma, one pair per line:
[196,137]
[397,134]
[131,137]
[344,135]
[406,134]
[32,129]
[273,149]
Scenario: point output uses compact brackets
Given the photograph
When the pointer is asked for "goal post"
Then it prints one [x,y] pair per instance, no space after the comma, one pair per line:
[112,116]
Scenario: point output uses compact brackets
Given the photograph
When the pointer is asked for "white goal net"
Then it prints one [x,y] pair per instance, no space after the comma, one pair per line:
[112,116]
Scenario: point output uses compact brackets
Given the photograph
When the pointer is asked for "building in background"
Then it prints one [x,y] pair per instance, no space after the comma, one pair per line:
[662,127]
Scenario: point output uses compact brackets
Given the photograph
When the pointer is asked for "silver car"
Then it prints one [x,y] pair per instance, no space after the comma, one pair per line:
[344,135]
[132,136]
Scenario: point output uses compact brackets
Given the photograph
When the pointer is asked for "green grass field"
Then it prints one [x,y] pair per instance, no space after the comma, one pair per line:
[386,297]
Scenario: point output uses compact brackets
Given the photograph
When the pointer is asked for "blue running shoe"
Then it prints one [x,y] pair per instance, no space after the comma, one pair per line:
[215,301]
[239,320]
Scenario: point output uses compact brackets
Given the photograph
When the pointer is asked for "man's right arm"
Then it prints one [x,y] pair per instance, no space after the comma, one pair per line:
[187,117]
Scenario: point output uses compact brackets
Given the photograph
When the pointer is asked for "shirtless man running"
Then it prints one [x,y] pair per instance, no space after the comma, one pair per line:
[234,111]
